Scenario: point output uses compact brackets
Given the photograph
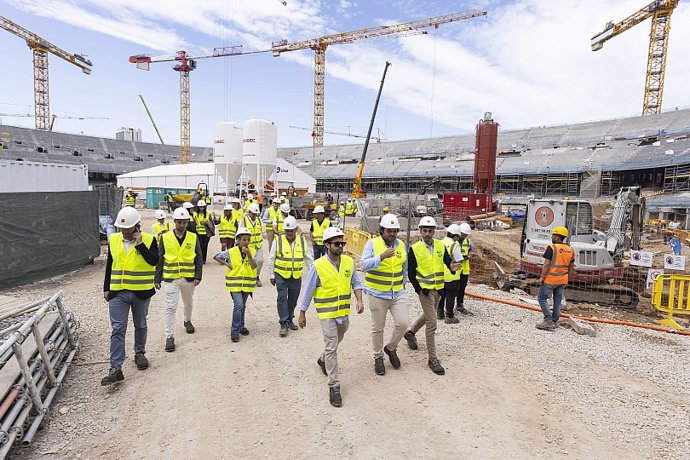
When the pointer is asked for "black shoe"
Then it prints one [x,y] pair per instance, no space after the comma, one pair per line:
[451,320]
[335,397]
[293,327]
[440,315]
[141,361]
[244,331]
[258,282]
[283,331]
[189,327]
[170,344]
[411,340]
[393,356]
[114,376]
[463,311]
[435,365]
[235,337]
[379,367]
[322,365]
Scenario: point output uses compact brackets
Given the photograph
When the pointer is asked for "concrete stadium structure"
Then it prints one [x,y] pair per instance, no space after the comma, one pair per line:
[586,159]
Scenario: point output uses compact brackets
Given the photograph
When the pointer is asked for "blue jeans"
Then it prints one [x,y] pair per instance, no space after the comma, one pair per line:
[119,307]
[288,293]
[543,297]
[239,300]
[319,251]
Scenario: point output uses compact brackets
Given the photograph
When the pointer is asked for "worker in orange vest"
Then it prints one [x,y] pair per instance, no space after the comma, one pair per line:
[559,258]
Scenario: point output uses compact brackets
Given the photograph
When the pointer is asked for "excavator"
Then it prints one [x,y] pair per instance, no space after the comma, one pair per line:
[599,272]
[357,191]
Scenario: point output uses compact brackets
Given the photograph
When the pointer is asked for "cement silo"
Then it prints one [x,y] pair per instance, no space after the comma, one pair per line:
[227,153]
[259,150]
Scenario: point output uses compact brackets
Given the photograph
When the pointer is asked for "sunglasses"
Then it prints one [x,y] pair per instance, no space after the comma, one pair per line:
[338,244]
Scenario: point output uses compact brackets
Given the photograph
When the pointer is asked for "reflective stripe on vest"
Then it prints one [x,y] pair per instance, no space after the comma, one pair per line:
[429,269]
[225,226]
[317,233]
[130,271]
[289,263]
[257,240]
[389,275]
[241,277]
[158,228]
[466,249]
[450,245]
[332,297]
[560,263]
[178,260]
[201,222]
[271,216]
[130,200]
[278,224]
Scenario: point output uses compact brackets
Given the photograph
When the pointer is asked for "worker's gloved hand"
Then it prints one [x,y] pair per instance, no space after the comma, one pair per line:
[425,292]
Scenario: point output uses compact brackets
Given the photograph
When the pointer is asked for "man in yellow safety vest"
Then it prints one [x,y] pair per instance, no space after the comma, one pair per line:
[268,217]
[331,282]
[559,259]
[225,226]
[425,261]
[466,249]
[318,226]
[280,217]
[451,280]
[128,285]
[251,221]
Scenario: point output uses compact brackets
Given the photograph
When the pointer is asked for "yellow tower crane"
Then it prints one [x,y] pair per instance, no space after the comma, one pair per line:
[660,11]
[319,45]
[40,48]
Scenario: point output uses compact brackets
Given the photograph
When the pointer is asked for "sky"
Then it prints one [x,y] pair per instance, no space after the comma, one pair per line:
[528,62]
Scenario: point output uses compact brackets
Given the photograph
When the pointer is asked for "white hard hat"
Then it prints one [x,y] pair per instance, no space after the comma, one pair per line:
[390,221]
[242,231]
[273,194]
[427,221]
[180,214]
[201,203]
[254,208]
[342,202]
[290,223]
[332,232]
[454,229]
[228,207]
[283,194]
[285,207]
[237,200]
[465,228]
[128,217]
[250,197]
[319,210]
[160,214]
[276,200]
[187,205]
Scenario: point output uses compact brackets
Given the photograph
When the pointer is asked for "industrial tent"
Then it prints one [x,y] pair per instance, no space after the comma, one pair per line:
[191,174]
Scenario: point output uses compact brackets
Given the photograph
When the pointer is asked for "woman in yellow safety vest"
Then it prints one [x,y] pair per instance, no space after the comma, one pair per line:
[160,226]
[201,217]
[225,227]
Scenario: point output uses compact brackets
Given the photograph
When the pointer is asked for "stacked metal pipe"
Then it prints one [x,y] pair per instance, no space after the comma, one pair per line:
[25,407]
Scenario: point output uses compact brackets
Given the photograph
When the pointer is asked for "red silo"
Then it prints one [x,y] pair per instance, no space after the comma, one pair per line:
[485,154]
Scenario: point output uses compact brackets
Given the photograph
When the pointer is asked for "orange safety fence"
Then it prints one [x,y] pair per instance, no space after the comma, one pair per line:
[672,296]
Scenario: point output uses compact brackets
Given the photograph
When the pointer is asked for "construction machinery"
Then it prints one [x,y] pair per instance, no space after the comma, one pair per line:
[185,64]
[357,191]
[40,48]
[599,274]
[378,137]
[319,45]
[148,112]
[660,11]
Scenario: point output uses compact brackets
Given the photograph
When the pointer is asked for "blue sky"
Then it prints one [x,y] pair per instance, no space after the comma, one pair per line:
[528,61]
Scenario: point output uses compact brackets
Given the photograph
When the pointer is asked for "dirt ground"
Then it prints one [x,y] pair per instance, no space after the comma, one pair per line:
[266,397]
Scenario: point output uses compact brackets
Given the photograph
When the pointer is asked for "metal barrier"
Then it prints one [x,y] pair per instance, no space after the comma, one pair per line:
[356,239]
[672,296]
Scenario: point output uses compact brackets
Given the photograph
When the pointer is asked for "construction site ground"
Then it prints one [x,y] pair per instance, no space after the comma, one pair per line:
[510,390]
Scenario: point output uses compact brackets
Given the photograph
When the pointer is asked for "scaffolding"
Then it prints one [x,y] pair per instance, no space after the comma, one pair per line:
[677,178]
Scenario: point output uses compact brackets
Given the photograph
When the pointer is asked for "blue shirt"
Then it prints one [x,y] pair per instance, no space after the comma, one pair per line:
[369,261]
[313,281]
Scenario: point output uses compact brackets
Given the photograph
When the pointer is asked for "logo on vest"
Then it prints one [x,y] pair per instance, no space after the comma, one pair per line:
[347,273]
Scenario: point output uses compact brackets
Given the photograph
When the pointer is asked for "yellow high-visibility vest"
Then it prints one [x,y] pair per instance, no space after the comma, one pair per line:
[201,220]
[317,233]
[332,297]
[130,271]
[236,219]
[289,261]
[450,245]
[225,226]
[160,229]
[389,275]
[429,268]
[465,248]
[178,260]
[241,277]
[257,240]
[271,215]
[130,200]
[278,224]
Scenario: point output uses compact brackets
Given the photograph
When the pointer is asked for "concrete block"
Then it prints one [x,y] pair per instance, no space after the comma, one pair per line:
[581,327]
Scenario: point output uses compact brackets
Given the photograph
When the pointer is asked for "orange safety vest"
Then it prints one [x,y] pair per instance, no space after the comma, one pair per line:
[557,273]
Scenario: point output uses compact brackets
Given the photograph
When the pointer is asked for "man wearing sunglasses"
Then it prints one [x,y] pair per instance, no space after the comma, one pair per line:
[384,260]
[426,259]
[331,282]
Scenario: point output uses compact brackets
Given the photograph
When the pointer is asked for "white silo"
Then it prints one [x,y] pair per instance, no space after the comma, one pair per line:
[227,153]
[259,150]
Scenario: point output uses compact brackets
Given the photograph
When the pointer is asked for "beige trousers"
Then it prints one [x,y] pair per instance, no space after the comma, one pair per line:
[333,334]
[428,319]
[173,290]
[269,239]
[401,318]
